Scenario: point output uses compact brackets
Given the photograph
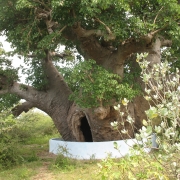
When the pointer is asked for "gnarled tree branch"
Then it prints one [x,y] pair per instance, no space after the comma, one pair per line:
[3,91]
[83,33]
[26,106]
[61,55]
[143,43]
[110,34]
[52,54]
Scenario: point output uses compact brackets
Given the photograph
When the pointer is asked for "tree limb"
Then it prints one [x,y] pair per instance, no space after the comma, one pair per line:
[54,78]
[107,28]
[3,92]
[157,14]
[55,54]
[43,4]
[52,54]
[166,42]
[81,32]
[133,46]
[26,106]
[27,92]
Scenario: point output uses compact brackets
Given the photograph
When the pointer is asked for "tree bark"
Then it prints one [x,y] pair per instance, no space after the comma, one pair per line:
[74,123]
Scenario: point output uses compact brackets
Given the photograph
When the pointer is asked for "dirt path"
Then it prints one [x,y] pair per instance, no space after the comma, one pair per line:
[44,172]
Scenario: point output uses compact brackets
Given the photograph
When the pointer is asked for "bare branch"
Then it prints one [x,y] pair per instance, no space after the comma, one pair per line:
[41,13]
[52,54]
[3,92]
[62,55]
[26,106]
[157,15]
[53,25]
[63,29]
[107,28]
[141,45]
[148,38]
[166,42]
[98,33]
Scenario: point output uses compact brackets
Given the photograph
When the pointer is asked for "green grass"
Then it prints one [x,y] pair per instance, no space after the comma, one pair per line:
[25,171]
[36,158]
[37,163]
[59,167]
[30,135]
[40,140]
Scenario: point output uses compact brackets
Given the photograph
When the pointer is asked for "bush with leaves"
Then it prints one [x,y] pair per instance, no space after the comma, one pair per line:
[94,86]
[162,91]
[9,152]
[34,124]
[32,127]
[8,74]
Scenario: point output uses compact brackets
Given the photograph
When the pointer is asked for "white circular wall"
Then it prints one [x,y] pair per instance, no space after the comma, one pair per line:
[88,150]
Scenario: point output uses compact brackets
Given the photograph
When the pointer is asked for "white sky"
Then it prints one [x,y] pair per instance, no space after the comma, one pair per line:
[7,47]
[16,62]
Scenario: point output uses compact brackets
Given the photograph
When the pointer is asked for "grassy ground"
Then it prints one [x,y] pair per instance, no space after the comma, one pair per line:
[29,137]
[27,140]
[42,165]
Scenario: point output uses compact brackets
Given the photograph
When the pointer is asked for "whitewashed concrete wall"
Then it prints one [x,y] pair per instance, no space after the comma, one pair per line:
[88,150]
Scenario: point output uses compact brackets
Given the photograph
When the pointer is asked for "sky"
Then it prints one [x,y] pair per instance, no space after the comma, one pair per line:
[7,47]
[16,62]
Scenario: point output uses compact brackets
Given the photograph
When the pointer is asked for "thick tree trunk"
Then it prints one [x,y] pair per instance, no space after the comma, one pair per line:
[76,124]
[94,124]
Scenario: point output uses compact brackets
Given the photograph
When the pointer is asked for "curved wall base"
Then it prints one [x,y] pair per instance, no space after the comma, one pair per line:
[90,150]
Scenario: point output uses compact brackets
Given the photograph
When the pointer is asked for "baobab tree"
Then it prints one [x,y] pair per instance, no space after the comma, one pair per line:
[106,36]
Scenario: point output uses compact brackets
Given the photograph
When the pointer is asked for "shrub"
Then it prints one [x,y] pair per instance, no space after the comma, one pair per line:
[93,86]
[31,126]
[162,91]
[9,152]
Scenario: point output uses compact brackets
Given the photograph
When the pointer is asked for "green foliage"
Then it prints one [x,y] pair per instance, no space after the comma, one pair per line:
[162,127]
[36,75]
[33,125]
[7,101]
[93,86]
[64,163]
[125,18]
[31,128]
[131,73]
[6,68]
[140,166]
[7,75]
[24,23]
[162,87]
[9,153]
